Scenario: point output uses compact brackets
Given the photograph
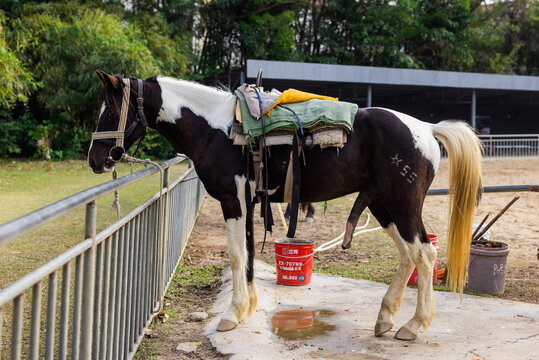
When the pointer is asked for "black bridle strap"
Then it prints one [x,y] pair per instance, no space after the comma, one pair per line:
[121,134]
[140,104]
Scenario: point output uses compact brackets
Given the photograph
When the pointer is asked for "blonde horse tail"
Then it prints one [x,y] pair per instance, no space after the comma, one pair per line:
[465,157]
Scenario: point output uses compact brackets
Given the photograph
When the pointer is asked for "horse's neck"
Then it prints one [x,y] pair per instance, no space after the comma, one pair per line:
[194,117]
[194,137]
[215,106]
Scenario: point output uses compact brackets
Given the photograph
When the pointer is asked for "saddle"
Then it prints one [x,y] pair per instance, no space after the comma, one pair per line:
[321,120]
[294,118]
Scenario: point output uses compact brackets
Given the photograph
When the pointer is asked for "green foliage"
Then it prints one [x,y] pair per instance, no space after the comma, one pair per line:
[154,146]
[16,81]
[171,53]
[65,43]
[356,32]
[16,137]
[519,23]
[49,50]
[234,30]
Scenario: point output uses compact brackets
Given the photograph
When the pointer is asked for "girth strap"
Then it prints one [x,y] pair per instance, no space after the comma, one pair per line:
[296,182]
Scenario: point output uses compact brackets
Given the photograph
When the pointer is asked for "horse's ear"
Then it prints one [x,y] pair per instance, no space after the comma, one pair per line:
[106,78]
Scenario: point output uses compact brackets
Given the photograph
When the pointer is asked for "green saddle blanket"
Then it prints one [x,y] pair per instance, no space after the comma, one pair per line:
[313,114]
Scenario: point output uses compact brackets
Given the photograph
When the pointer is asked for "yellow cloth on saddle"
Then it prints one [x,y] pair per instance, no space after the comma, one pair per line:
[294,96]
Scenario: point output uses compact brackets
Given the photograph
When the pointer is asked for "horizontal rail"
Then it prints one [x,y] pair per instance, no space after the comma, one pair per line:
[110,285]
[506,145]
[486,136]
[25,283]
[48,213]
[492,189]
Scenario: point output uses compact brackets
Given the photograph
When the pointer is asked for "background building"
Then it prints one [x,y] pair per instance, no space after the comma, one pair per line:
[497,104]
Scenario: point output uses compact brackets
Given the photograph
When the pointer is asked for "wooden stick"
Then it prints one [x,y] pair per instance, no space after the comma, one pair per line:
[480,224]
[478,236]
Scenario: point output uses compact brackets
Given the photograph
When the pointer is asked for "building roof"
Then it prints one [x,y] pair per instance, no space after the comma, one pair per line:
[389,76]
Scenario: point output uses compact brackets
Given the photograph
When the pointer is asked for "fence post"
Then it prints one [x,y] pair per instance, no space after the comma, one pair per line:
[166,222]
[88,283]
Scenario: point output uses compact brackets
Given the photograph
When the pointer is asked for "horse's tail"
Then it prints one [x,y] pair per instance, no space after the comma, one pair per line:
[465,156]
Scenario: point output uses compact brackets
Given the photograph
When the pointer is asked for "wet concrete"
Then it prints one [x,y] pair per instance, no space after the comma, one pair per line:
[300,324]
[478,328]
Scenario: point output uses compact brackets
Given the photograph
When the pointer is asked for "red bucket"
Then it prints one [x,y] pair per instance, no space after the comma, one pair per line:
[413,278]
[294,261]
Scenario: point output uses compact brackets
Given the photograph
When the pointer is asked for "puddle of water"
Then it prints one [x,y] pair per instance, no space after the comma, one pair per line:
[301,324]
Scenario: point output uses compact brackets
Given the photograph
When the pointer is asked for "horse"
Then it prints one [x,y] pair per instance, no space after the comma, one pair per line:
[307,208]
[390,158]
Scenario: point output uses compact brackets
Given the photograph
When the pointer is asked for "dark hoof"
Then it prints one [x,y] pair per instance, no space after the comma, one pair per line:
[347,245]
[405,334]
[226,325]
[382,328]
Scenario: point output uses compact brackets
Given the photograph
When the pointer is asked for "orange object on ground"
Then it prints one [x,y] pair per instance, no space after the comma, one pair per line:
[413,279]
[294,261]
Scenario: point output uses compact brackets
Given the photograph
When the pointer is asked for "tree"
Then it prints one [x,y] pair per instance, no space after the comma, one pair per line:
[64,44]
[520,20]
[355,32]
[16,81]
[230,31]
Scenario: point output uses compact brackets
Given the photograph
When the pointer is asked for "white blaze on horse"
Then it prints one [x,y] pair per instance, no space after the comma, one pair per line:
[390,158]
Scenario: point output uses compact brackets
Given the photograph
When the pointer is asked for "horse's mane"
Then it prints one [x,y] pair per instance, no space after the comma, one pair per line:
[108,95]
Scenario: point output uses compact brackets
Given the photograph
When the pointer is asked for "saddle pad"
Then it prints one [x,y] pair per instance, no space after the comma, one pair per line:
[313,114]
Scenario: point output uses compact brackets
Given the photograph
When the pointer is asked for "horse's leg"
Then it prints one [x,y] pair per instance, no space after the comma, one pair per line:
[234,210]
[391,302]
[310,213]
[251,285]
[423,254]
[287,212]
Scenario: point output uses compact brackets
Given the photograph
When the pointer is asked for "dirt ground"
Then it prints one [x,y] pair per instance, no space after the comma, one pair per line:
[518,227]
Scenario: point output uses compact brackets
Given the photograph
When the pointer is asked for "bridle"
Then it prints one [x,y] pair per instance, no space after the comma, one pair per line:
[117,151]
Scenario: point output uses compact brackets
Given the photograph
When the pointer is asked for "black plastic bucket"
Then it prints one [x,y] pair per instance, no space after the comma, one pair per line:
[487,269]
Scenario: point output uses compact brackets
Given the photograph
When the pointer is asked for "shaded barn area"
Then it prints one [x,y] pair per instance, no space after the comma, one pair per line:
[495,104]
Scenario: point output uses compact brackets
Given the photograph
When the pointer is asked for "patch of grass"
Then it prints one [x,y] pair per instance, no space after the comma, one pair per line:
[189,278]
[26,186]
[192,289]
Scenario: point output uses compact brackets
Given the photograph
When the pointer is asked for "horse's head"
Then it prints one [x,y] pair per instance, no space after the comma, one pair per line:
[121,122]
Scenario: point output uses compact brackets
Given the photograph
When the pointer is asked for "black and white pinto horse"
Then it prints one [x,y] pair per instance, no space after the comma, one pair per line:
[390,158]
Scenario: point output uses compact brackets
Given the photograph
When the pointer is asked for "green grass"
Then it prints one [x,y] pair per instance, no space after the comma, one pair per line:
[189,290]
[26,186]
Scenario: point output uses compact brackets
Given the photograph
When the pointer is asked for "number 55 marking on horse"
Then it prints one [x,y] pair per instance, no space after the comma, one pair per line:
[405,169]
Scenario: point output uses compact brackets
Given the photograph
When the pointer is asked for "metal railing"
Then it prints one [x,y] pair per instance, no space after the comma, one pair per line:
[509,145]
[120,275]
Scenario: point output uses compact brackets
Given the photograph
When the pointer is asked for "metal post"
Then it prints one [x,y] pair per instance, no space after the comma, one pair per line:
[64,311]
[1,324]
[16,328]
[473,109]
[36,321]
[99,269]
[369,95]
[77,290]
[51,316]
[88,283]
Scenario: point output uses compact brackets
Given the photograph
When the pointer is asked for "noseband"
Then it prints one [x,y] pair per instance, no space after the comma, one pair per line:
[117,151]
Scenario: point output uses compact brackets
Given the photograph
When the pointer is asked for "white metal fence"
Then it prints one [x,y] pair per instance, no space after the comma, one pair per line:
[120,275]
[516,145]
